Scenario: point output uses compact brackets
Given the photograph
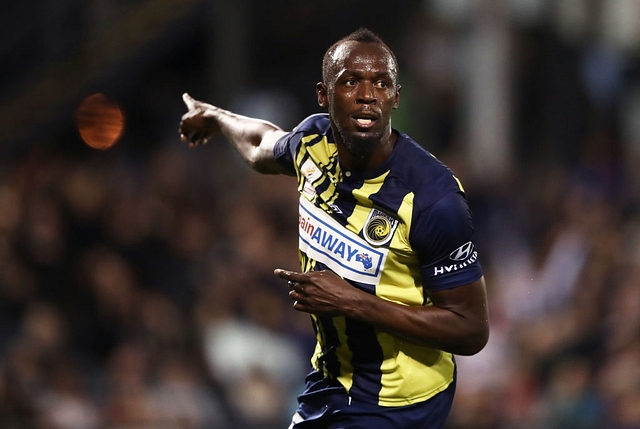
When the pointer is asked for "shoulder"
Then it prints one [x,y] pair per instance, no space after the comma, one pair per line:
[313,124]
[428,178]
[317,126]
[309,132]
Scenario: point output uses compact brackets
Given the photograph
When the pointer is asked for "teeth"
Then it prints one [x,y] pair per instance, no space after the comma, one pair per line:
[364,121]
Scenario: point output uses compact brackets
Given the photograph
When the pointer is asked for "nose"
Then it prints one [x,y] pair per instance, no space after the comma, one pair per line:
[366,93]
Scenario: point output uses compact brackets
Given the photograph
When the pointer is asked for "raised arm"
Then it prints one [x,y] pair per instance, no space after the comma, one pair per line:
[253,138]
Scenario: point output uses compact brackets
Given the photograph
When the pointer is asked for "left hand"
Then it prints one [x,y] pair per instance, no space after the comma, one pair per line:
[322,293]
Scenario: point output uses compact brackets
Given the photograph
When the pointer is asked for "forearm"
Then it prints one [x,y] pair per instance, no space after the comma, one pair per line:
[462,329]
[252,138]
[426,325]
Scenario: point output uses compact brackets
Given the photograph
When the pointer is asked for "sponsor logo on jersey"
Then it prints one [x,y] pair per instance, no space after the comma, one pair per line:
[335,208]
[462,253]
[308,190]
[311,173]
[325,240]
[310,170]
[464,256]
[379,227]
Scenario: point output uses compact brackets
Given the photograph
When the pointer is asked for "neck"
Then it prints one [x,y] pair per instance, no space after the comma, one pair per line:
[377,157]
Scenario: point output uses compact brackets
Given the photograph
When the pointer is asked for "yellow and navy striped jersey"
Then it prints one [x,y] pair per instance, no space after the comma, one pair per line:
[396,231]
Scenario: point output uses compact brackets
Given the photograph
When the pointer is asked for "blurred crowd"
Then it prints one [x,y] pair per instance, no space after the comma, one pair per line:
[136,288]
[141,295]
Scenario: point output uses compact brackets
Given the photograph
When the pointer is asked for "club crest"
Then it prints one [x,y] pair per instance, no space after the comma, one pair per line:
[379,228]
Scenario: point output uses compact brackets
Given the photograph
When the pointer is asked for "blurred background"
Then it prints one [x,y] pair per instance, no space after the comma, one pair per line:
[135,281]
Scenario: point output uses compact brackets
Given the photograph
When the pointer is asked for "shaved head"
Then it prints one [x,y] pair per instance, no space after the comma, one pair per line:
[339,50]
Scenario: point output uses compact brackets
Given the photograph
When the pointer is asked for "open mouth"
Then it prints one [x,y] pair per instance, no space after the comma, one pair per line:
[364,122]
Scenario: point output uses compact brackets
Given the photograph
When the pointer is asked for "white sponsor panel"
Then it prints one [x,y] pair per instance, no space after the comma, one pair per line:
[325,240]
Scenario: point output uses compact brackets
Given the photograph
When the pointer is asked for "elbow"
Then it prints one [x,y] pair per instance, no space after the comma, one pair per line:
[254,162]
[263,162]
[257,166]
[475,341]
[266,168]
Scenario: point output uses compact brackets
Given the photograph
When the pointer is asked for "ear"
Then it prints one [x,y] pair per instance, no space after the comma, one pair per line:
[396,101]
[321,92]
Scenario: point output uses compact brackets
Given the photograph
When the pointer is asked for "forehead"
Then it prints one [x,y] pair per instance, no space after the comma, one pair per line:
[352,55]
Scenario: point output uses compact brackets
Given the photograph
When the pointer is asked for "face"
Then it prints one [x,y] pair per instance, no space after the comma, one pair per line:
[360,97]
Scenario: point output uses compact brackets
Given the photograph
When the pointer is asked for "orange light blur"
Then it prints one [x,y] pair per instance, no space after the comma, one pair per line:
[100,121]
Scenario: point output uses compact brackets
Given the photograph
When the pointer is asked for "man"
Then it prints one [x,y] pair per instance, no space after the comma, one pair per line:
[389,274]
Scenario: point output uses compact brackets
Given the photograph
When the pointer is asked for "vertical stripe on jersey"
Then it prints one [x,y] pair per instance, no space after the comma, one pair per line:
[362,194]
[402,265]
[366,350]
[343,351]
[327,360]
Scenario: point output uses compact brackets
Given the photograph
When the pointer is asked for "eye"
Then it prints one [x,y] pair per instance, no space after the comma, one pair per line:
[350,82]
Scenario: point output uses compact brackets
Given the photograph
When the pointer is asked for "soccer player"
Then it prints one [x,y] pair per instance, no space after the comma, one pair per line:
[389,272]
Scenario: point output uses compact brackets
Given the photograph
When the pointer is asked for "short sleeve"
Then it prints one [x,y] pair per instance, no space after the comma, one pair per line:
[443,237]
[285,149]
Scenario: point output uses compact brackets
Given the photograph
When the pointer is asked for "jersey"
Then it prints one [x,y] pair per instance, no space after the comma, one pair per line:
[396,231]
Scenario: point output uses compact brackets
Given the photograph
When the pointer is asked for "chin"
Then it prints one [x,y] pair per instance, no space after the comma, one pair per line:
[367,138]
[362,145]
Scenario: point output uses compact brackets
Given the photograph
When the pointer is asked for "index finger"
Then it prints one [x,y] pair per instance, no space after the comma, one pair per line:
[188,100]
[290,275]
